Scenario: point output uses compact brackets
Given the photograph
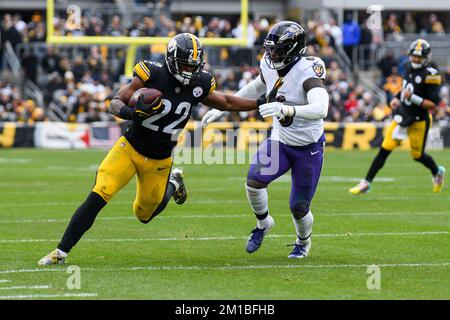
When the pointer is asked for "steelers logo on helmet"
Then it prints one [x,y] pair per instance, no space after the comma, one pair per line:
[185,57]
[172,45]
[284,44]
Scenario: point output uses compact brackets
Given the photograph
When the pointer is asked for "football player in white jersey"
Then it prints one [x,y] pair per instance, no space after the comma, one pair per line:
[297,140]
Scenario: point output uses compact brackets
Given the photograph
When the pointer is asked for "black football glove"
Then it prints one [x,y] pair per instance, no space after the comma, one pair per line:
[142,111]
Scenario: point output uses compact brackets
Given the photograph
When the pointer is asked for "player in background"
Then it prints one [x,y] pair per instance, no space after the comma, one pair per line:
[145,148]
[297,140]
[412,118]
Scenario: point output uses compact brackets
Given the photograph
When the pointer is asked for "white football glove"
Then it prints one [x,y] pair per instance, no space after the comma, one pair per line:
[210,116]
[276,109]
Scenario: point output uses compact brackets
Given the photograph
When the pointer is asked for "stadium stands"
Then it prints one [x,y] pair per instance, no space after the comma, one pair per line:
[78,81]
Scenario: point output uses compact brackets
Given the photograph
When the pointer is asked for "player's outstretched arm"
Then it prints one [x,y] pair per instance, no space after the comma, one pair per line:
[119,104]
[252,90]
[227,102]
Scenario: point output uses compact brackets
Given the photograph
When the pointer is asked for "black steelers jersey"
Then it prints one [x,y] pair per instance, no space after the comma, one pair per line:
[156,136]
[424,82]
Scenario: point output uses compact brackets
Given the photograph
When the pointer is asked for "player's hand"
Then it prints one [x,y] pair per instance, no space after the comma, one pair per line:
[394,103]
[210,116]
[276,109]
[142,111]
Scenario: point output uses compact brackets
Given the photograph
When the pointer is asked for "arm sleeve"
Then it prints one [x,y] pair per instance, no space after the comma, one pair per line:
[317,108]
[433,83]
[213,85]
[252,90]
[142,71]
[208,84]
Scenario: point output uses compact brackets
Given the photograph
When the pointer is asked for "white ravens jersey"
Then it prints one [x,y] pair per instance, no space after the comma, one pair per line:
[300,132]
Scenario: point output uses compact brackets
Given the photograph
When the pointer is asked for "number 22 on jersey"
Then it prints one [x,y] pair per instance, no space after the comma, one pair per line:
[182,111]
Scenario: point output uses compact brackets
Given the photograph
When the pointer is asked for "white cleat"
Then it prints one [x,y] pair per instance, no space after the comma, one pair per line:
[55,257]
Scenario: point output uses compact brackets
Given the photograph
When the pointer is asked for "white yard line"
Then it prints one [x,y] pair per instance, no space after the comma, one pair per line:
[5,281]
[242,267]
[25,287]
[233,216]
[375,234]
[66,295]
[228,201]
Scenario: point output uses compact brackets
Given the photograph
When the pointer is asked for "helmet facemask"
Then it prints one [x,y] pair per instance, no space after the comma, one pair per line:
[416,65]
[279,56]
[185,72]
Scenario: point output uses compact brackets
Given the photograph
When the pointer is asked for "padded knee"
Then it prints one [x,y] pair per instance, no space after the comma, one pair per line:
[256,184]
[144,212]
[103,188]
[300,209]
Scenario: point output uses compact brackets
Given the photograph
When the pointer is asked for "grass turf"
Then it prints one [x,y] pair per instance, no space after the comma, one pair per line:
[197,251]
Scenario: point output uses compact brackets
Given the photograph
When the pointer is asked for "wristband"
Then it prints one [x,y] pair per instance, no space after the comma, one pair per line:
[288,111]
[417,100]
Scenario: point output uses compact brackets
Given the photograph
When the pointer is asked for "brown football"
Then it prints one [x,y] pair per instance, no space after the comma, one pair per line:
[150,95]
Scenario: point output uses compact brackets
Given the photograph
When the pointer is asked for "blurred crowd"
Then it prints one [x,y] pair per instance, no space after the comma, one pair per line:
[409,23]
[14,108]
[81,85]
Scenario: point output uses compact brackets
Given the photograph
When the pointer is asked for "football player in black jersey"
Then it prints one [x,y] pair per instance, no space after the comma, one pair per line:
[145,148]
[412,118]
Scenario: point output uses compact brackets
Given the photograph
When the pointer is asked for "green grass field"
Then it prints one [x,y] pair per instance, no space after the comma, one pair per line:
[197,251]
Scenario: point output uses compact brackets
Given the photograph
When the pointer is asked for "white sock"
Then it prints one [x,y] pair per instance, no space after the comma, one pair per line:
[303,226]
[64,254]
[258,200]
[266,223]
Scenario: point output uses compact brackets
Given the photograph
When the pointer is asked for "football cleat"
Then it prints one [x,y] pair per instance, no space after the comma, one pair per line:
[257,236]
[301,250]
[363,187]
[180,194]
[438,180]
[55,257]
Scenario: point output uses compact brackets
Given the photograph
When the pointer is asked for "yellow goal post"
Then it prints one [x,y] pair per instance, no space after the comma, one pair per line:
[134,42]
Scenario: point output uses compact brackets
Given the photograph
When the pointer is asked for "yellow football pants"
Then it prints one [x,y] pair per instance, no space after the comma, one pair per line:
[120,165]
[417,134]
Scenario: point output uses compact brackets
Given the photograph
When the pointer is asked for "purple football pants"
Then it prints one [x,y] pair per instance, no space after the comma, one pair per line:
[274,159]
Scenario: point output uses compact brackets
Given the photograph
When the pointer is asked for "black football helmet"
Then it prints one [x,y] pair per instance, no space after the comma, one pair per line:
[284,44]
[185,50]
[419,48]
